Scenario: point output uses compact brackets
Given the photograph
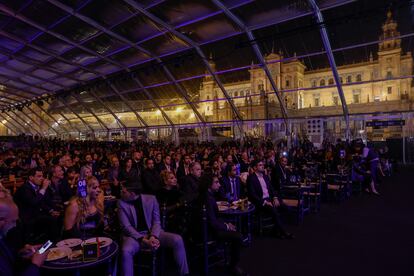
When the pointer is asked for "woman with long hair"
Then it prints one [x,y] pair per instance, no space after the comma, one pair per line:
[129,175]
[171,198]
[84,217]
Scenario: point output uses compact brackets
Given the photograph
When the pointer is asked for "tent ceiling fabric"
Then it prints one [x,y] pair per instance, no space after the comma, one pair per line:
[158,49]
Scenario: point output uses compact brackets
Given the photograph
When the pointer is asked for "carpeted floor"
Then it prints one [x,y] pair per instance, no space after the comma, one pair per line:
[364,235]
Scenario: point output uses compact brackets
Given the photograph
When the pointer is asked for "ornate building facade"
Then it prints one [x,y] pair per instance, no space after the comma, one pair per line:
[375,85]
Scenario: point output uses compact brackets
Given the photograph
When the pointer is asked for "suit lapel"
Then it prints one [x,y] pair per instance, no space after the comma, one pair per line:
[147,207]
[133,214]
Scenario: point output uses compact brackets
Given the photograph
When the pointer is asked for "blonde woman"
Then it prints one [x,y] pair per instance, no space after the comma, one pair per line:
[84,217]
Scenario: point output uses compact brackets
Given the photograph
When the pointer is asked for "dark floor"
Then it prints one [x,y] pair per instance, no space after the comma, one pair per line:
[364,235]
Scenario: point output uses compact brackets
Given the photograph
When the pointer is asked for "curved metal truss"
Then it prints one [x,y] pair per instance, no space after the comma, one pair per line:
[100,60]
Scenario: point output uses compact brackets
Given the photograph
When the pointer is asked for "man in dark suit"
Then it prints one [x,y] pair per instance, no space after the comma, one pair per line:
[37,212]
[176,162]
[59,186]
[184,168]
[137,162]
[190,183]
[263,196]
[8,259]
[226,232]
[231,188]
[151,180]
[280,174]
[165,165]
[139,218]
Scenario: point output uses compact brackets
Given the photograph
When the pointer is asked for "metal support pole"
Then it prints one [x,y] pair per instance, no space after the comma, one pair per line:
[332,63]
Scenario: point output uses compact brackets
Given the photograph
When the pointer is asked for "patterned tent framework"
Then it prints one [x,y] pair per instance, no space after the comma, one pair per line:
[98,59]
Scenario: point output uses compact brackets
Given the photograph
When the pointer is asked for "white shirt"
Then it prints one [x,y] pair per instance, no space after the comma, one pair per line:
[263,184]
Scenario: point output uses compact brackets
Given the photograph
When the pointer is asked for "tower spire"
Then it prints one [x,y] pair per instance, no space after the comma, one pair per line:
[388,38]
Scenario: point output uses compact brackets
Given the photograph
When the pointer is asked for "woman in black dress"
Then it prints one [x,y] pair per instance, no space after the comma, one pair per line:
[84,217]
[171,202]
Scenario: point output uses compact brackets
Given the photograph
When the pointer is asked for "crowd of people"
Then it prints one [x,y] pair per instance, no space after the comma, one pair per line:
[149,179]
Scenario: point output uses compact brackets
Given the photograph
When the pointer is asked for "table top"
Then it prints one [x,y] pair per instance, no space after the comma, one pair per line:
[236,212]
[66,264]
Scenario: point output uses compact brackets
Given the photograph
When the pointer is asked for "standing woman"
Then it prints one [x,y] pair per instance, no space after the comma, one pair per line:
[84,217]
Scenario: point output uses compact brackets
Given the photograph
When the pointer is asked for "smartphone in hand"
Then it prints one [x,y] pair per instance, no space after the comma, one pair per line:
[45,247]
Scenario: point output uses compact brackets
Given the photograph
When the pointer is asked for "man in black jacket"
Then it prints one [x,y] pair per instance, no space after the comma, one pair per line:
[263,196]
[59,186]
[151,179]
[226,232]
[231,188]
[8,267]
[184,169]
[190,183]
[280,174]
[37,212]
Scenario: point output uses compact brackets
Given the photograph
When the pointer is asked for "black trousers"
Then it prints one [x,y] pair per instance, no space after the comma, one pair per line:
[274,213]
[235,240]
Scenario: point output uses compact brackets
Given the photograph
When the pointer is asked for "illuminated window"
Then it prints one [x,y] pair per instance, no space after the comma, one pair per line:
[335,99]
[322,83]
[356,97]
[358,77]
[348,79]
[330,81]
[316,100]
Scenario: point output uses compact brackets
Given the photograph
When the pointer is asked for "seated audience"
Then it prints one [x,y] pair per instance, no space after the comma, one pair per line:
[113,177]
[151,180]
[9,263]
[280,174]
[85,172]
[37,212]
[139,218]
[263,196]
[166,165]
[231,188]
[84,217]
[220,230]
[130,175]
[171,198]
[12,168]
[60,188]
[184,169]
[189,185]
[72,178]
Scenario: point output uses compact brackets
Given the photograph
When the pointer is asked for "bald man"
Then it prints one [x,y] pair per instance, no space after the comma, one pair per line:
[9,215]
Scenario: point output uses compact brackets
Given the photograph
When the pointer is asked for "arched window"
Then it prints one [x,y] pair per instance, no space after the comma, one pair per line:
[236,93]
[260,87]
[358,77]
[330,81]
[322,83]
[287,83]
[342,81]
[349,79]
[314,83]
[242,93]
